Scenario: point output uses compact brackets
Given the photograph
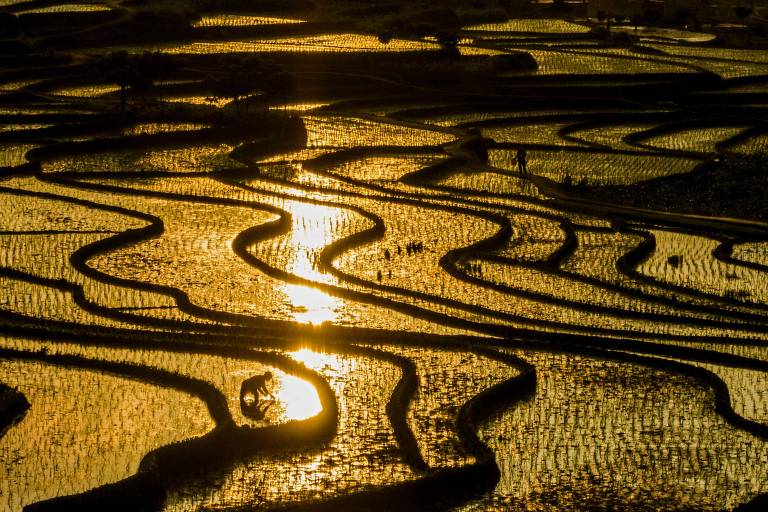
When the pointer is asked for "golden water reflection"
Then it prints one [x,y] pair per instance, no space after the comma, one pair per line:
[310,305]
[317,360]
[299,398]
[313,228]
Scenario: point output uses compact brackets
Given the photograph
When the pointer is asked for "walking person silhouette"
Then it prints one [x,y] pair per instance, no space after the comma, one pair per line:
[522,161]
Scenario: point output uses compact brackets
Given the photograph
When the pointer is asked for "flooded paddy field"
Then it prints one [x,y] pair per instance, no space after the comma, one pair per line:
[298,258]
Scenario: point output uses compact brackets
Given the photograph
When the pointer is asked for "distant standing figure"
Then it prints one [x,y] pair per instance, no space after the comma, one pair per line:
[256,385]
[522,161]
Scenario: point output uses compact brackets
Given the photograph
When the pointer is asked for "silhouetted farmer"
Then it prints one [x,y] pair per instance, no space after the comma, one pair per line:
[256,385]
[522,161]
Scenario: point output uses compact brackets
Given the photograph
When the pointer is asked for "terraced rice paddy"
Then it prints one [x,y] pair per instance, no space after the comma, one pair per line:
[538,26]
[695,266]
[67,8]
[332,43]
[699,140]
[664,34]
[442,330]
[637,419]
[751,146]
[204,158]
[611,136]
[601,62]
[239,20]
[598,167]
[361,385]
[61,449]
[88,91]
[13,155]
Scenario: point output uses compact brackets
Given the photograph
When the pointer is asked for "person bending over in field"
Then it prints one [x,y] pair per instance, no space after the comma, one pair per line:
[256,385]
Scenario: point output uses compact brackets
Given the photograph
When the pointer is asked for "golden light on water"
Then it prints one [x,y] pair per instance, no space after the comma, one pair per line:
[311,231]
[310,305]
[316,360]
[298,397]
[313,225]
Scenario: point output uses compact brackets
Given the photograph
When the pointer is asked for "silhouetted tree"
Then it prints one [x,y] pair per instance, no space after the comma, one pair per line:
[449,42]
[235,80]
[560,6]
[605,17]
[124,70]
[385,37]
[685,17]
[158,67]
[239,79]
[759,30]
[652,16]
[9,24]
[439,22]
[279,84]
[742,11]
[137,72]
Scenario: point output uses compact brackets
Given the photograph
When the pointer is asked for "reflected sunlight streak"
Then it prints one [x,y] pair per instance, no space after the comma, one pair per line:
[318,360]
[311,232]
[310,305]
[299,398]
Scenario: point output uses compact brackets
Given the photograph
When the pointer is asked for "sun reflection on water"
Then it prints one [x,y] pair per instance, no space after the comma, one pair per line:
[313,228]
[317,360]
[299,398]
[310,305]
